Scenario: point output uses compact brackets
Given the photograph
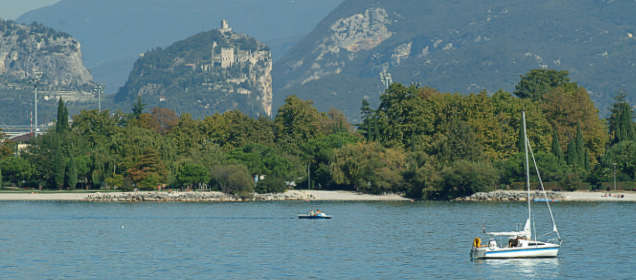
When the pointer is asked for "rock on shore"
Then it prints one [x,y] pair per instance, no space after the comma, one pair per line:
[193,196]
[509,196]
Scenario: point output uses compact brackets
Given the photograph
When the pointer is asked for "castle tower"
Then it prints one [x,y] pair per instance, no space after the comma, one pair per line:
[225,28]
[227,57]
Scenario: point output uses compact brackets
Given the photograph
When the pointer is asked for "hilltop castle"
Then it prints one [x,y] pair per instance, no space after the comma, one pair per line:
[228,57]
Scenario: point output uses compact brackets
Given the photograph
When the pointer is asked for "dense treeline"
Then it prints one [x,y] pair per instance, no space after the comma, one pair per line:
[417,141]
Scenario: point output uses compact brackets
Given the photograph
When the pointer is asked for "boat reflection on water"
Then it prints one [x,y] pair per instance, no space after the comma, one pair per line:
[537,268]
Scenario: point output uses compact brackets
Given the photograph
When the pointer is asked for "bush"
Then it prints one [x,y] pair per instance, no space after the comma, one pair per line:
[232,179]
[271,184]
[571,182]
[464,178]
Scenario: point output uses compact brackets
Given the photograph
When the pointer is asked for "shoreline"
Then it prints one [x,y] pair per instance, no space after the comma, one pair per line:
[164,196]
[306,195]
[564,196]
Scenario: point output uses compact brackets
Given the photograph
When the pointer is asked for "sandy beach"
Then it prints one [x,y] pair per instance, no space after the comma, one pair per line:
[317,195]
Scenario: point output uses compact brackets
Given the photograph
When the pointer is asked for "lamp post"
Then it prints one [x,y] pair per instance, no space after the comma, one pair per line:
[35,81]
[100,91]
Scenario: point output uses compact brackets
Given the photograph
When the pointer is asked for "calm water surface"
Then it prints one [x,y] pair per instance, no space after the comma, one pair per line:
[54,240]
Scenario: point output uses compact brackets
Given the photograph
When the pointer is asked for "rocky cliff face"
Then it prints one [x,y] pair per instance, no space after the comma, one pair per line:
[37,52]
[210,72]
[35,55]
[459,46]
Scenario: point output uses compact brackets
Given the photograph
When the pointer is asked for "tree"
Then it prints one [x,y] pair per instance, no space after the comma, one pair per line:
[369,168]
[62,117]
[232,179]
[621,126]
[71,174]
[147,170]
[297,121]
[580,147]
[464,178]
[556,146]
[366,114]
[537,82]
[163,120]
[192,174]
[569,108]
[138,108]
[572,157]
[59,167]
[1,178]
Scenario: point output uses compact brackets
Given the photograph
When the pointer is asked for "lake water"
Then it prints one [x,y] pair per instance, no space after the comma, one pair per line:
[55,240]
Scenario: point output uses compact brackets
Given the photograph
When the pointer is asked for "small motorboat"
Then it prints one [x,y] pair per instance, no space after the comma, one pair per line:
[314,216]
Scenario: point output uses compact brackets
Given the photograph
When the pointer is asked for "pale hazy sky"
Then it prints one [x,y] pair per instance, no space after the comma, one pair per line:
[11,9]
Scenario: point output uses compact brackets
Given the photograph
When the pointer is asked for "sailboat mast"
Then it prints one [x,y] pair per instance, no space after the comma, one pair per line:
[525,147]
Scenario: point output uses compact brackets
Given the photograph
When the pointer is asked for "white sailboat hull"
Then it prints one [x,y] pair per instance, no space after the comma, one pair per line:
[549,251]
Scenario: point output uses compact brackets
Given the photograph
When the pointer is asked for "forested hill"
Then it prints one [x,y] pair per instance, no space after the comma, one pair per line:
[209,72]
[460,46]
[114,32]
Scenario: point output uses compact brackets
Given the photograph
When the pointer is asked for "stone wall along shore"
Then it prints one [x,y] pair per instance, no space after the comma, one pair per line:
[193,197]
[509,196]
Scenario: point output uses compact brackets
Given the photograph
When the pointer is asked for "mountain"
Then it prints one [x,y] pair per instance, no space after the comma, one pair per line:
[459,46]
[36,55]
[113,33]
[209,72]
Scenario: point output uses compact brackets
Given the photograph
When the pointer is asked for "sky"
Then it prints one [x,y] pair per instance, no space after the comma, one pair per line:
[12,9]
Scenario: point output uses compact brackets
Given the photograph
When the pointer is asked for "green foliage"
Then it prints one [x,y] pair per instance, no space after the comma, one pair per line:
[538,82]
[271,184]
[71,174]
[138,108]
[369,168]
[191,174]
[463,178]
[59,167]
[62,117]
[297,121]
[571,182]
[232,179]
[556,146]
[620,122]
[1,182]
[623,154]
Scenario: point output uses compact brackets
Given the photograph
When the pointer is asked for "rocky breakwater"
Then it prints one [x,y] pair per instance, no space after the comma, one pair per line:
[509,196]
[193,197]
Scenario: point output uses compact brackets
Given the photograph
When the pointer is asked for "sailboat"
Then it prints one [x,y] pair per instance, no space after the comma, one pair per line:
[521,244]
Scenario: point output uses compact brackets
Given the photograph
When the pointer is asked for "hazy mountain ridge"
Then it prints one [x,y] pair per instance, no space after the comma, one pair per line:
[113,33]
[210,72]
[459,46]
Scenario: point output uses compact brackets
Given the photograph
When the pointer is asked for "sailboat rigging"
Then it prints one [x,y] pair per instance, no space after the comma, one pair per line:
[521,244]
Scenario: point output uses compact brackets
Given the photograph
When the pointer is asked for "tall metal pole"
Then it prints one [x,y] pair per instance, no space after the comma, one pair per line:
[100,91]
[35,101]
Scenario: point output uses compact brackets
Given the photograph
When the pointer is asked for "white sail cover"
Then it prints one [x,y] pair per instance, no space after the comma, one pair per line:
[525,233]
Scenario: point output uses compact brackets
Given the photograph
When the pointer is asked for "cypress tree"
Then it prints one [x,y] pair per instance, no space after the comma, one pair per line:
[620,122]
[580,147]
[60,124]
[71,174]
[59,167]
[556,146]
[0,178]
[521,143]
[365,114]
[571,156]
[586,161]
[138,108]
